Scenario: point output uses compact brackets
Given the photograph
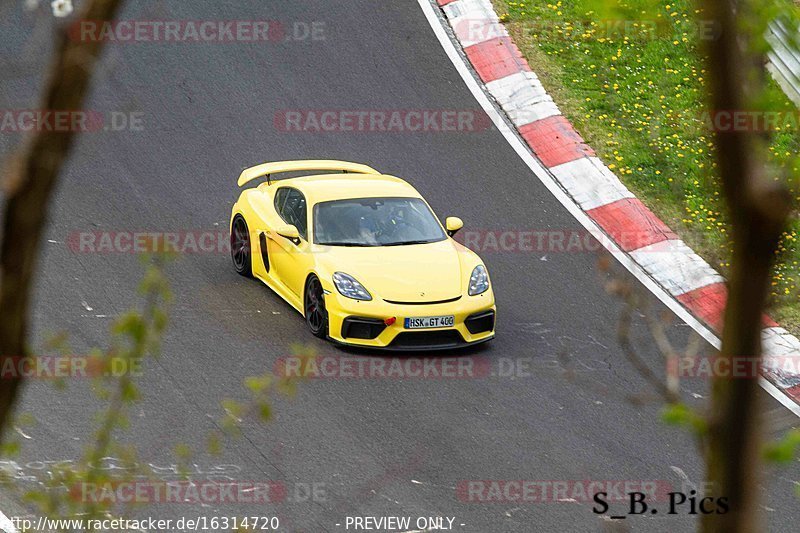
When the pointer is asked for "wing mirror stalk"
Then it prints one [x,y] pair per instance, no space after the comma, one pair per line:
[289,232]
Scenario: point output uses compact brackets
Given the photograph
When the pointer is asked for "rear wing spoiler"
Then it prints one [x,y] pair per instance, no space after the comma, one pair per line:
[266,169]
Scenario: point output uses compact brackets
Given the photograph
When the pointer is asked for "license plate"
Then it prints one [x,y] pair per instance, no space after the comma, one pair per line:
[421,322]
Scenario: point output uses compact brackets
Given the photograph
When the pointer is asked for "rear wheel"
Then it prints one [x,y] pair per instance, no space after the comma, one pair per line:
[316,314]
[240,247]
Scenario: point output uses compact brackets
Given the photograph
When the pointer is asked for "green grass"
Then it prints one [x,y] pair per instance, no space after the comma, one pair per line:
[636,92]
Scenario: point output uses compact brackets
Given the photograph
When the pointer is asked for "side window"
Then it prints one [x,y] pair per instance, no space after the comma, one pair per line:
[291,206]
[280,199]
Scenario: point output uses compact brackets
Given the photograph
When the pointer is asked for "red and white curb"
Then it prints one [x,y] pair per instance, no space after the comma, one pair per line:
[506,76]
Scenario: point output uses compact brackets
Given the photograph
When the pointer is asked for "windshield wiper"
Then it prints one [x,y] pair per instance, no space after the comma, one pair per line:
[345,243]
[401,243]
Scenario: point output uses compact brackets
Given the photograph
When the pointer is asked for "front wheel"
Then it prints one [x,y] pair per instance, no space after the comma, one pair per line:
[316,314]
[240,247]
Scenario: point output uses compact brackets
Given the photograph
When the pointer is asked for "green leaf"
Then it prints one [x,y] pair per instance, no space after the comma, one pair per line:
[183,451]
[214,444]
[784,450]
[10,448]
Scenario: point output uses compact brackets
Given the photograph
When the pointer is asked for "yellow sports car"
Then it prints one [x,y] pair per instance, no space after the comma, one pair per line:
[361,256]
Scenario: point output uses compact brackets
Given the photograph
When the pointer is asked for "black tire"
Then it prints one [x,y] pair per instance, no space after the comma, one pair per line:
[240,247]
[314,308]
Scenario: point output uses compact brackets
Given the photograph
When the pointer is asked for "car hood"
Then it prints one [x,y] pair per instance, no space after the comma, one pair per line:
[409,273]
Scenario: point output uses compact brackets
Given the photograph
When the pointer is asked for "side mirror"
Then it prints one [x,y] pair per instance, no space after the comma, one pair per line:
[453,224]
[289,231]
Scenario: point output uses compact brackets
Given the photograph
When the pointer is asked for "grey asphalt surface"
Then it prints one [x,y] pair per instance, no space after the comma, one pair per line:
[372,447]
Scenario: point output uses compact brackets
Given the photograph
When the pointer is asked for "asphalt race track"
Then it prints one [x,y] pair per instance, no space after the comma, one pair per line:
[371,447]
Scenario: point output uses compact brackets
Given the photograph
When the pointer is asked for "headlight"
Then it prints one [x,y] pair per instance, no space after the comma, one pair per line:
[348,286]
[478,281]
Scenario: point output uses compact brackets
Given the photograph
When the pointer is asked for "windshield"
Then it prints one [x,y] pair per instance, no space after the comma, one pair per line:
[375,222]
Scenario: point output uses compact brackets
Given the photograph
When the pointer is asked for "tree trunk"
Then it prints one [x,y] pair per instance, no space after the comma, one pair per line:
[28,186]
[758,208]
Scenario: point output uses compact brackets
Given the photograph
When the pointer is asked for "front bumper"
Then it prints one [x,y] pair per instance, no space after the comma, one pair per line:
[351,320]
